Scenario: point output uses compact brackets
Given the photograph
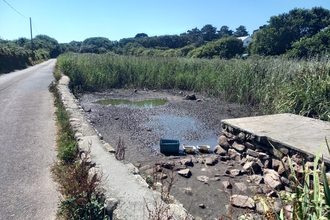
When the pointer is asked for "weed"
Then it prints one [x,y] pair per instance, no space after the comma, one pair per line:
[120,152]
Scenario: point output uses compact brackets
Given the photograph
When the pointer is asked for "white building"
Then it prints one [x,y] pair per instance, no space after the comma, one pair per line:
[246,40]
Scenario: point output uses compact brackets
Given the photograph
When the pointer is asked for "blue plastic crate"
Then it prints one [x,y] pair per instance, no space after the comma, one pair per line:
[168,146]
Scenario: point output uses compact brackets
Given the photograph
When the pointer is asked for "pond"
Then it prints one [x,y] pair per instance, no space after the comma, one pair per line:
[142,104]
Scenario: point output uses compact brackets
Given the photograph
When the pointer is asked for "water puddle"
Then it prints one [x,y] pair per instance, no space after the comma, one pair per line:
[143,104]
[185,129]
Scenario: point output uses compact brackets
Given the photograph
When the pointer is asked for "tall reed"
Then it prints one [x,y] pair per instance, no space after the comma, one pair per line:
[274,84]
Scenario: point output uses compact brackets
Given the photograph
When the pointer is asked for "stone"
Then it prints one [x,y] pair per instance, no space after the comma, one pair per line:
[249,145]
[110,205]
[297,159]
[190,97]
[187,162]
[272,179]
[284,166]
[224,158]
[203,179]
[263,156]
[238,147]
[284,150]
[223,142]
[234,155]
[275,164]
[241,186]
[185,173]
[252,166]
[256,179]
[219,150]
[241,136]
[211,160]
[260,208]
[227,184]
[235,172]
[168,165]
[202,206]
[242,201]
[109,148]
[252,153]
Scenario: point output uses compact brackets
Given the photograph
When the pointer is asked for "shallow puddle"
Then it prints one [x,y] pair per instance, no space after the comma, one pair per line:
[185,129]
[144,104]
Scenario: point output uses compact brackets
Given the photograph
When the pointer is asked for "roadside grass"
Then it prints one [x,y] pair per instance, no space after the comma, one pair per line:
[80,197]
[272,84]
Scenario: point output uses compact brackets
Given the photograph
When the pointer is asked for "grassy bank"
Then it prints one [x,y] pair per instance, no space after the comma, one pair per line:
[275,85]
[80,197]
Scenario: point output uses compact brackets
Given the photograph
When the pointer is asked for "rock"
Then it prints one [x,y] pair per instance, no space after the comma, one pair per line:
[234,155]
[188,191]
[238,147]
[223,142]
[203,179]
[168,165]
[185,173]
[87,109]
[256,179]
[187,162]
[190,97]
[235,172]
[242,201]
[284,166]
[297,159]
[241,136]
[227,184]
[211,160]
[202,206]
[241,186]
[109,148]
[267,164]
[215,179]
[110,205]
[224,158]
[272,179]
[252,166]
[252,153]
[219,150]
[263,156]
[275,164]
[249,145]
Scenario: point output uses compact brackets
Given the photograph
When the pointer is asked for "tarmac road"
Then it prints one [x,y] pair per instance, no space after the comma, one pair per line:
[27,144]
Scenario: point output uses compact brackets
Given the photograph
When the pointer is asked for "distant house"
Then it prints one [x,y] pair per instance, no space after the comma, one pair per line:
[246,40]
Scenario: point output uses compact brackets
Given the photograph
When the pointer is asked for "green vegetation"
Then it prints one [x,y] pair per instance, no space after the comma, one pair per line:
[81,199]
[274,84]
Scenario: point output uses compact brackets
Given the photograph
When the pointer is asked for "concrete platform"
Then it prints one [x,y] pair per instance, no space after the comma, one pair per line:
[295,132]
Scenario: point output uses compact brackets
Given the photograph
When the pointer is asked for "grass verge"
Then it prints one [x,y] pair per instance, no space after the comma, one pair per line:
[81,198]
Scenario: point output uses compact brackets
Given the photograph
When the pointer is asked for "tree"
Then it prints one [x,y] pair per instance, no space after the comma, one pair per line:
[194,35]
[96,45]
[241,31]
[285,29]
[141,35]
[208,33]
[317,44]
[224,32]
[226,47]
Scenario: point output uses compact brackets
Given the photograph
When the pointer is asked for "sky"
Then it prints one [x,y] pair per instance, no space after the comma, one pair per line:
[68,20]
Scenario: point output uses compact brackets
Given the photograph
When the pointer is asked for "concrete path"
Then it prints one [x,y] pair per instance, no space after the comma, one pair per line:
[300,133]
[27,144]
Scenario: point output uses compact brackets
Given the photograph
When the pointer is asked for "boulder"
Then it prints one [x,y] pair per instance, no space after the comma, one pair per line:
[223,142]
[234,155]
[256,179]
[252,166]
[211,160]
[219,150]
[272,179]
[242,201]
[252,153]
[238,147]
[187,162]
[185,173]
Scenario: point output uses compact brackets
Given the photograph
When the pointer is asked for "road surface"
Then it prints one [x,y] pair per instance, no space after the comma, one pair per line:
[27,144]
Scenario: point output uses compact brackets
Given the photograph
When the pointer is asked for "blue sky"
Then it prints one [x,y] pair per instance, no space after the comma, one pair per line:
[67,20]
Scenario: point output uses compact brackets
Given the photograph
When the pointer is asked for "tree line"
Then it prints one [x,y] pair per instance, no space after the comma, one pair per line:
[298,33]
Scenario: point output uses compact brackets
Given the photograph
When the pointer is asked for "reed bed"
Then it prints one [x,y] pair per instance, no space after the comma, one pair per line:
[273,84]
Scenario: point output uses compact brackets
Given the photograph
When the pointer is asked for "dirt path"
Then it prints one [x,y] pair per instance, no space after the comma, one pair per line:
[190,121]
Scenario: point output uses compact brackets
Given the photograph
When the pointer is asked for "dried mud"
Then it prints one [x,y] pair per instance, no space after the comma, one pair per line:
[189,121]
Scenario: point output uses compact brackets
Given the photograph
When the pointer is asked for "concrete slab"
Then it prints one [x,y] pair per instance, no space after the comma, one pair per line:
[300,133]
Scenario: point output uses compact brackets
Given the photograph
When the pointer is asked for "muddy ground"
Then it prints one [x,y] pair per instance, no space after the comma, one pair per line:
[190,121]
